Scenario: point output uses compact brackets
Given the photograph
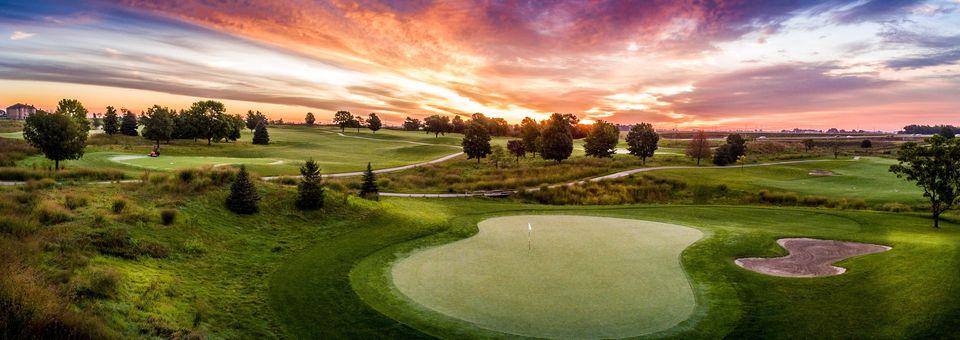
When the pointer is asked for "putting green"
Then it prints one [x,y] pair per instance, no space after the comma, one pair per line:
[583,277]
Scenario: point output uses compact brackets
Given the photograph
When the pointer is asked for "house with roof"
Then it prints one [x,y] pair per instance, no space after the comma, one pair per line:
[20,111]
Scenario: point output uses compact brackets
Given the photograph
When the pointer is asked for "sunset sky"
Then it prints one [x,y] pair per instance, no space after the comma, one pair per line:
[687,64]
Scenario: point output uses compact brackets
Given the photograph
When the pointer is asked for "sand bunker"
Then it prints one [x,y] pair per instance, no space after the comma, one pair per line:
[809,257]
[820,173]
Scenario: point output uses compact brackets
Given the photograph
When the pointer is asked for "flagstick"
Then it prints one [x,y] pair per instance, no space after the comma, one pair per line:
[529,237]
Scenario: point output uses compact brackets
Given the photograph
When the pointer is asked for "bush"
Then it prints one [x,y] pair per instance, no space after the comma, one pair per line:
[168,215]
[779,198]
[814,201]
[115,242]
[50,213]
[187,175]
[119,204]
[74,201]
[852,203]
[38,184]
[896,207]
[31,309]
[96,283]
[153,249]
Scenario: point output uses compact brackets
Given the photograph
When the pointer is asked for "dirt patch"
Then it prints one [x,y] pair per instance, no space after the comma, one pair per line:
[809,257]
[820,173]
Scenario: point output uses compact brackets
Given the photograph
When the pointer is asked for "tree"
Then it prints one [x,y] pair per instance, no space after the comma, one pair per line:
[254,118]
[343,119]
[368,187]
[411,124]
[530,135]
[310,189]
[374,123]
[835,147]
[236,125]
[260,135]
[731,151]
[243,198]
[642,141]
[809,144]
[128,126]
[185,126]
[476,141]
[436,124]
[516,148]
[57,136]
[935,168]
[947,132]
[699,146]
[457,124]
[602,140]
[157,124]
[309,119]
[357,122]
[866,144]
[556,142]
[111,122]
[209,120]
[75,110]
[497,155]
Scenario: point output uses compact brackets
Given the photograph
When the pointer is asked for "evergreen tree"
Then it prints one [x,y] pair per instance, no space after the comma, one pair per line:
[254,118]
[602,140]
[310,189]
[260,135]
[374,123]
[642,141]
[310,119]
[556,140]
[368,188]
[476,141]
[111,122]
[243,198]
[128,126]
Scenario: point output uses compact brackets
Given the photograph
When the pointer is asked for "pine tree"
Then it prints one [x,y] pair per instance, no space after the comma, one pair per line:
[111,122]
[310,189]
[243,198]
[260,135]
[368,188]
[128,126]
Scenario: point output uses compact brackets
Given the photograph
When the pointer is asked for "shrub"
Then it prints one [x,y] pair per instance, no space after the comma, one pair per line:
[187,175]
[119,204]
[852,203]
[168,215]
[31,309]
[153,249]
[96,283]
[896,207]
[74,201]
[115,242]
[814,201]
[50,213]
[779,198]
[38,184]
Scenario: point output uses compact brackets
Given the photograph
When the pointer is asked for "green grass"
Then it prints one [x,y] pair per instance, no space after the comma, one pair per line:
[290,145]
[288,274]
[581,277]
[868,179]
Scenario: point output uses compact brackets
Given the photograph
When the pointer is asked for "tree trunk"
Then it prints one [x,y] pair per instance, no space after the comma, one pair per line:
[936,220]
[209,141]
[56,166]
[698,161]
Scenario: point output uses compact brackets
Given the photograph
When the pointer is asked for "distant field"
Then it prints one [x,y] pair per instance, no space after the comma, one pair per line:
[289,147]
[867,178]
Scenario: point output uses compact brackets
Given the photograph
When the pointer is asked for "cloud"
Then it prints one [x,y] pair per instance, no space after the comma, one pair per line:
[948,57]
[18,35]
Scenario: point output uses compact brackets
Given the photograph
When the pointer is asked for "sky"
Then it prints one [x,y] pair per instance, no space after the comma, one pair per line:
[687,64]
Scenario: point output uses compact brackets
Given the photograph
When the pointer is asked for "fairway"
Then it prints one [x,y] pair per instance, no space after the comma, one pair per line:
[581,277]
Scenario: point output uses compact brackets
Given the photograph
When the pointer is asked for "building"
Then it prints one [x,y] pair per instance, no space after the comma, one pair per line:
[20,111]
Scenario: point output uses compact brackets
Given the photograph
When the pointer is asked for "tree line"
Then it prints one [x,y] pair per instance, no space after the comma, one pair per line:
[62,134]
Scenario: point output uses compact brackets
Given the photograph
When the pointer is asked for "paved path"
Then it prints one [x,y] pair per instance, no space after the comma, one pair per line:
[615,175]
